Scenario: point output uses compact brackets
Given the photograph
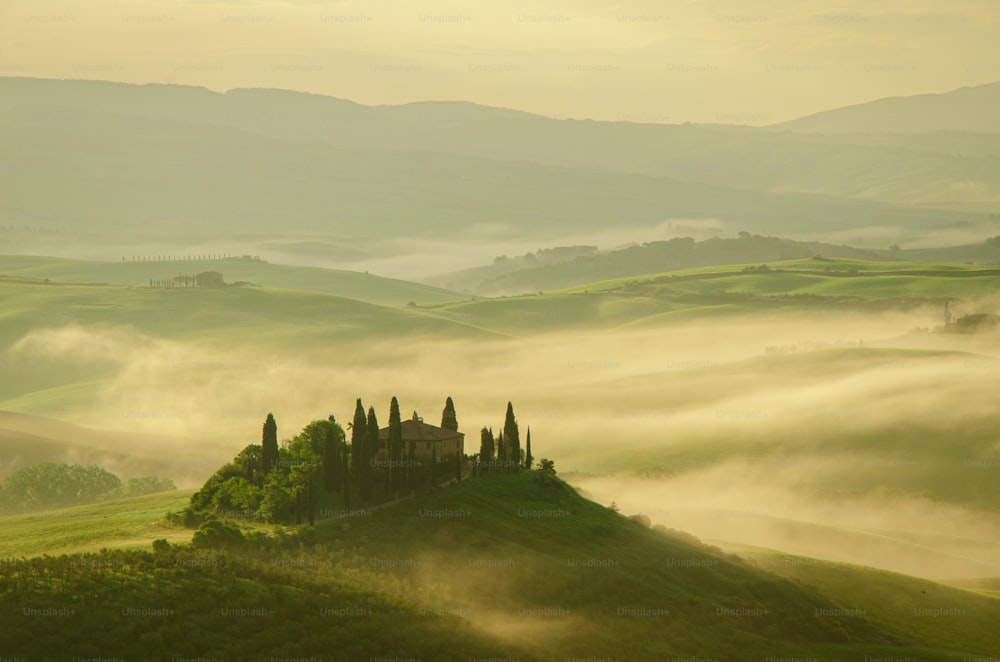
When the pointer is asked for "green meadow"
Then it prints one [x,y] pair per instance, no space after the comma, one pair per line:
[518,568]
[135,271]
[117,524]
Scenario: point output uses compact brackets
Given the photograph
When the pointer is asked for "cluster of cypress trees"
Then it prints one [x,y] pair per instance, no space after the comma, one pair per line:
[320,466]
[504,453]
[357,463]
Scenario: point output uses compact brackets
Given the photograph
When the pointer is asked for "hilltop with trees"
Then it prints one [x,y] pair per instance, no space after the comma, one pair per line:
[321,473]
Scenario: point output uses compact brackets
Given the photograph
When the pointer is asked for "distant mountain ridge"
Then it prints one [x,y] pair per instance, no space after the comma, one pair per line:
[963,109]
[969,108]
[114,158]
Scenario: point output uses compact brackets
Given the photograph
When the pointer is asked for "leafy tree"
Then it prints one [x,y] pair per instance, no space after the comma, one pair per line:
[395,446]
[54,485]
[202,500]
[512,439]
[269,444]
[449,421]
[528,459]
[251,460]
[547,473]
[359,434]
[305,463]
[370,448]
[214,534]
[247,465]
[238,497]
[314,434]
[279,497]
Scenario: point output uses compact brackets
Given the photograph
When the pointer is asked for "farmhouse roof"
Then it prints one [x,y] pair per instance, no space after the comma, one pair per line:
[414,429]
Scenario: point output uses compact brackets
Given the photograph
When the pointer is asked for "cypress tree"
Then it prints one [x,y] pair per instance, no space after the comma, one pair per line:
[511,438]
[501,452]
[411,468]
[331,462]
[487,447]
[359,433]
[370,448]
[449,421]
[528,459]
[434,457]
[346,483]
[395,446]
[269,445]
[337,467]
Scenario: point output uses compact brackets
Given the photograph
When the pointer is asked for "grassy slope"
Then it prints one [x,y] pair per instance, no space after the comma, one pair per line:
[947,616]
[264,313]
[348,284]
[518,275]
[826,270]
[502,581]
[120,523]
[728,289]
[256,314]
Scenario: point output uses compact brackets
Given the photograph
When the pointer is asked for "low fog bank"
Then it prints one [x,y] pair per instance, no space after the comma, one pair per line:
[187,387]
[762,504]
[29,440]
[883,236]
[881,437]
[405,257]
[422,258]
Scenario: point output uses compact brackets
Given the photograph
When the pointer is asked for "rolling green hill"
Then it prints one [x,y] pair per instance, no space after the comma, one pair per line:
[821,276]
[503,565]
[347,284]
[537,272]
[117,524]
[256,314]
[790,286]
[938,613]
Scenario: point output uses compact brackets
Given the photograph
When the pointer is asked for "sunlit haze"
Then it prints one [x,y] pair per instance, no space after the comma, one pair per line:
[756,62]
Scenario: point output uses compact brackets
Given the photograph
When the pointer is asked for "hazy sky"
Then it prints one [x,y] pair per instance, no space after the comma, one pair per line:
[752,61]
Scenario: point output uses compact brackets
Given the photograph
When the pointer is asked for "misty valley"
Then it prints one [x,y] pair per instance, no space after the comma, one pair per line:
[284,376]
